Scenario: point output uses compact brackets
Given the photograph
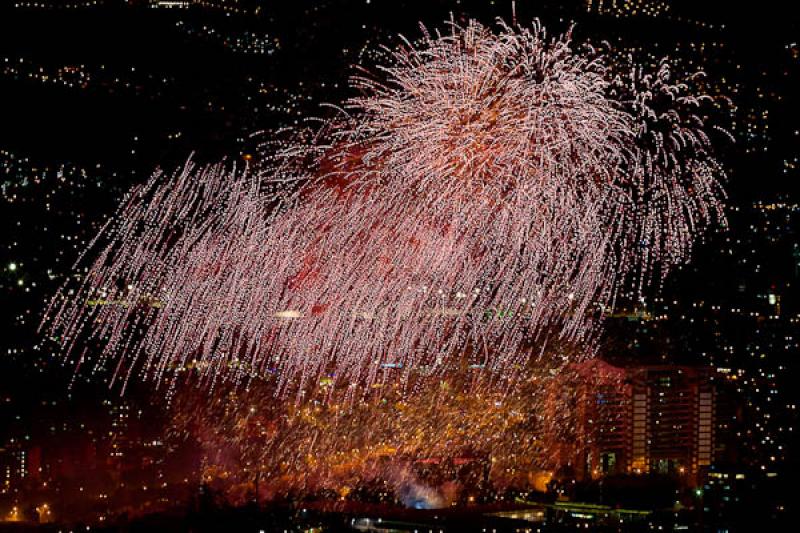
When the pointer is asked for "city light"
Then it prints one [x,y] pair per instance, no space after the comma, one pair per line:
[403,266]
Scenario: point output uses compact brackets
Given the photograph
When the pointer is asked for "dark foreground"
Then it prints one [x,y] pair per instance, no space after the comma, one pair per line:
[377,518]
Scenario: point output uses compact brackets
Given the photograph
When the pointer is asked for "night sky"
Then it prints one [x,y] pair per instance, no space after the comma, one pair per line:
[96,95]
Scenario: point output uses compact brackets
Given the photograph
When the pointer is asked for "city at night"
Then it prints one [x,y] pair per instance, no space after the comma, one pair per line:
[399,266]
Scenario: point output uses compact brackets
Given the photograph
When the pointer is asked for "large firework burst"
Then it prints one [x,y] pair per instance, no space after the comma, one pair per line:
[487,192]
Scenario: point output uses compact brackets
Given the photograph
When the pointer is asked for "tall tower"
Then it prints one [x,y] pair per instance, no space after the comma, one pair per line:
[120,434]
[652,419]
[672,425]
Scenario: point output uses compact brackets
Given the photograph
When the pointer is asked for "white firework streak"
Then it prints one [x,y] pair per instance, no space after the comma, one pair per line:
[487,191]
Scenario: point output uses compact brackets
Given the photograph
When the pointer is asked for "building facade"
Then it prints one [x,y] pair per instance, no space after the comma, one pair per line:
[655,419]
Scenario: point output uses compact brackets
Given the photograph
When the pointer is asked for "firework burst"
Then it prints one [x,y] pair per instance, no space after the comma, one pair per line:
[486,193]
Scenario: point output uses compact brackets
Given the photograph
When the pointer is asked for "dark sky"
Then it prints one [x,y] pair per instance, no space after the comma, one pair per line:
[137,88]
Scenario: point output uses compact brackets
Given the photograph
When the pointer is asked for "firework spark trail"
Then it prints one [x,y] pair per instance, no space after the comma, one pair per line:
[317,445]
[486,188]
